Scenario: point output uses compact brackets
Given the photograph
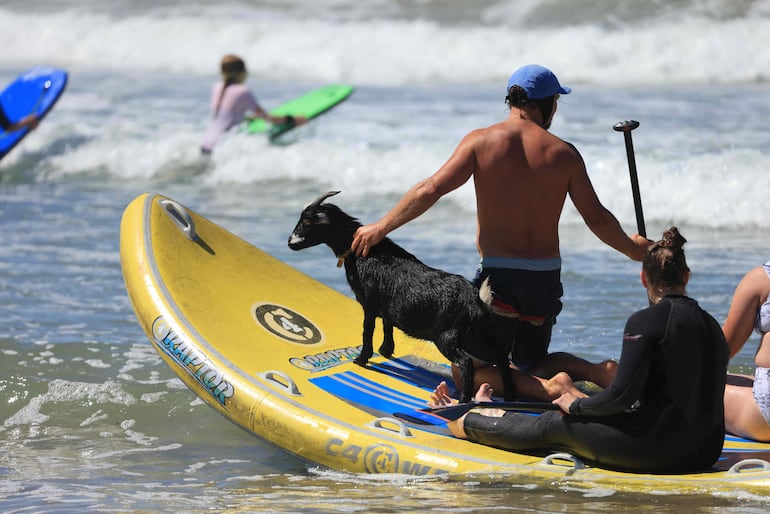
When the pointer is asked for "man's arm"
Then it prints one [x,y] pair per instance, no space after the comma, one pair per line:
[421,197]
[601,221]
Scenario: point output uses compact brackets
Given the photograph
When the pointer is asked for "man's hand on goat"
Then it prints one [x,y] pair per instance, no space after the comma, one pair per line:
[365,238]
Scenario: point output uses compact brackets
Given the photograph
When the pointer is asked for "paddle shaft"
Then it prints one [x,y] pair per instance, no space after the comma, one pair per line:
[626,127]
[452,412]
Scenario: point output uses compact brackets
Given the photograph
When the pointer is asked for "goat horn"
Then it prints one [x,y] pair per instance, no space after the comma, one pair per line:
[321,198]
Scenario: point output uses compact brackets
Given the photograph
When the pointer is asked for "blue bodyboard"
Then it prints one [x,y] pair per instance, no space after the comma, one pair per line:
[34,91]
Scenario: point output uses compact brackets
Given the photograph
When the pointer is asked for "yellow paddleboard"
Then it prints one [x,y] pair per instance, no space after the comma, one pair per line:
[272,350]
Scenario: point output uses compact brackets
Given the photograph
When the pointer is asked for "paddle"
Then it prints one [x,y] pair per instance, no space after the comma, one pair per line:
[452,412]
[626,127]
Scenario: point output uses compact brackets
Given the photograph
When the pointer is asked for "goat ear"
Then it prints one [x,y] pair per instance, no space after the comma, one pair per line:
[320,199]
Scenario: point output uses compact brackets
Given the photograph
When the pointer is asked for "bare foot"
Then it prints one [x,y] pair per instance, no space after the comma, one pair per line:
[484,394]
[440,396]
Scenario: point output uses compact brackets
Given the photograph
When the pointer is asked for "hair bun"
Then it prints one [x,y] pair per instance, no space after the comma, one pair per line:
[672,239]
[665,264]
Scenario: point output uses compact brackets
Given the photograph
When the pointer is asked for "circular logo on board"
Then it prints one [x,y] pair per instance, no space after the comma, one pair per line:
[287,324]
[381,459]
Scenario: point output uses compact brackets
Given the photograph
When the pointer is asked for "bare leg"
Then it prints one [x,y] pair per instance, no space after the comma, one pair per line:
[527,386]
[742,416]
[601,374]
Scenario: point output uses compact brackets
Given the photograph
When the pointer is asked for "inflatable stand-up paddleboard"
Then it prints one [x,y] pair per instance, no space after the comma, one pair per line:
[34,91]
[308,105]
[272,350]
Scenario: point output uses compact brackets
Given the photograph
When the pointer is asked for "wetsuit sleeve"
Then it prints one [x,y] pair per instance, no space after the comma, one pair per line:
[644,329]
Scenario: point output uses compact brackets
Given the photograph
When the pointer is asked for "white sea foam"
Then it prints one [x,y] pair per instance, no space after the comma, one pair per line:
[657,46]
[135,112]
[68,391]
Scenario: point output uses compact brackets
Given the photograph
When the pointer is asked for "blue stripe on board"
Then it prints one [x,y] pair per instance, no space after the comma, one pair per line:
[354,387]
[359,390]
[735,438]
[410,373]
[729,438]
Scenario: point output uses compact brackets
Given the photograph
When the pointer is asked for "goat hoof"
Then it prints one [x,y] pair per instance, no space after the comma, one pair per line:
[361,362]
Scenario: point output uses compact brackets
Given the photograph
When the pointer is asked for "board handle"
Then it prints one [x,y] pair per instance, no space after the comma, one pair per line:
[749,465]
[288,384]
[379,424]
[577,464]
[180,217]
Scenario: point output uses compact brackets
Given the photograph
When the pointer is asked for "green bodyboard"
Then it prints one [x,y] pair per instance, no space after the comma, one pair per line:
[308,105]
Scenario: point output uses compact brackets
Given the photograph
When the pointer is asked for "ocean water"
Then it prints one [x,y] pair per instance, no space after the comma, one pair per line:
[92,419]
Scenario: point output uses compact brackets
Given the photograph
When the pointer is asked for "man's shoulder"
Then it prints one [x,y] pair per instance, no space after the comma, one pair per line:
[570,147]
[562,153]
[495,132]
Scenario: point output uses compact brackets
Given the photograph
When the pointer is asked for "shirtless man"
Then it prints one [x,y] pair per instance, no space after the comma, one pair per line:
[522,174]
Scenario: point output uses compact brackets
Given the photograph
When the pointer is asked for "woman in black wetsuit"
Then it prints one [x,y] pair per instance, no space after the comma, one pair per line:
[664,410]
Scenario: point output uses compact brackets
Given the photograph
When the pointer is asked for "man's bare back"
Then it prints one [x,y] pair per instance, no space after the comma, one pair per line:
[521,178]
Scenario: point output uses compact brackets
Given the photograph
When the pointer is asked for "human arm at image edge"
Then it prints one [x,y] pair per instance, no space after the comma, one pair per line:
[743,310]
[30,120]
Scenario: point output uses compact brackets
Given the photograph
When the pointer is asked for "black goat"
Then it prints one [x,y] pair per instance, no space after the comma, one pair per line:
[424,302]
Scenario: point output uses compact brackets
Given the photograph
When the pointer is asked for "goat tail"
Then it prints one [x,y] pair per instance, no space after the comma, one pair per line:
[494,305]
[486,294]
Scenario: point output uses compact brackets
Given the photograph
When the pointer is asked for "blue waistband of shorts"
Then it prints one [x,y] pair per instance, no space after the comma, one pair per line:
[550,264]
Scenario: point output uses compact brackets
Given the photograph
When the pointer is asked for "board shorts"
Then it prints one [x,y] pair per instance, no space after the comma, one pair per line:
[761,390]
[526,300]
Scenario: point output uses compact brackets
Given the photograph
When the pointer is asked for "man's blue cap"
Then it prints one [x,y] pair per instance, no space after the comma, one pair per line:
[538,81]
